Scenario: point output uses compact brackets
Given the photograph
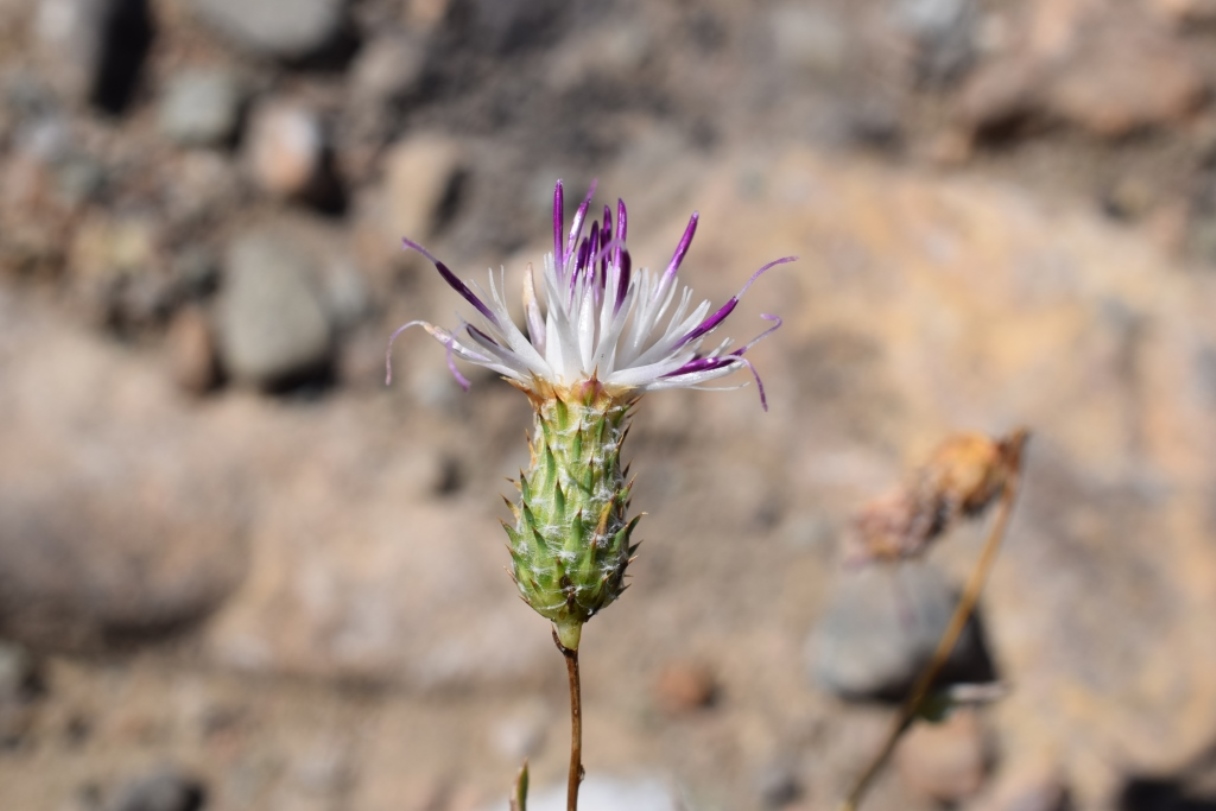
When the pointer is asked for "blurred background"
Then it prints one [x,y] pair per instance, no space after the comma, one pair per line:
[238,572]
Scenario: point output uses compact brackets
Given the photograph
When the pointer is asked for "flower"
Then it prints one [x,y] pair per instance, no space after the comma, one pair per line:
[602,335]
[597,322]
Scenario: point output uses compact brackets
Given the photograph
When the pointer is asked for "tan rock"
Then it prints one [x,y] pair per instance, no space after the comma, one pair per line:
[684,686]
[1124,75]
[421,173]
[191,350]
[1108,68]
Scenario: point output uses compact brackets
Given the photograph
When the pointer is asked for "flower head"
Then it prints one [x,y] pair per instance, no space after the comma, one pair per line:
[594,321]
[599,333]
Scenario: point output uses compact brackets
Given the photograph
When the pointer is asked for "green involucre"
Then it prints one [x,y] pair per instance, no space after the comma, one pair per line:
[570,543]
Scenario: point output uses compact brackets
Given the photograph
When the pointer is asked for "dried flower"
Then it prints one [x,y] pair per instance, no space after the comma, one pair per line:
[960,480]
[600,333]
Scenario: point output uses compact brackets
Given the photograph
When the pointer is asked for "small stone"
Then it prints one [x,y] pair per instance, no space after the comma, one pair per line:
[200,107]
[192,355]
[683,687]
[881,628]
[287,29]
[946,762]
[272,323]
[164,789]
[285,146]
[424,175]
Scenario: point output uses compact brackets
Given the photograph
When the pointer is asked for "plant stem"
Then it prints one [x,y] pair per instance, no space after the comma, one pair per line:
[576,724]
[945,646]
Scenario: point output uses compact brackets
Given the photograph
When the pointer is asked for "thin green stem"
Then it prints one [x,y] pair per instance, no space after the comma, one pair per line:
[945,646]
[576,724]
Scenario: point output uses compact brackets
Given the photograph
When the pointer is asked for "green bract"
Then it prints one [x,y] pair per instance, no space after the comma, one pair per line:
[570,543]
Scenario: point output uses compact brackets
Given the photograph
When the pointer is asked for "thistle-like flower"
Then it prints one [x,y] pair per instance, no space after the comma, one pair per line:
[599,334]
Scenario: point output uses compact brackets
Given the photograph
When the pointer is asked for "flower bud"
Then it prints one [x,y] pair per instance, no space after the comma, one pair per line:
[570,544]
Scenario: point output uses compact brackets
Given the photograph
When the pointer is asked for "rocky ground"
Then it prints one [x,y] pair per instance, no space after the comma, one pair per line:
[237,571]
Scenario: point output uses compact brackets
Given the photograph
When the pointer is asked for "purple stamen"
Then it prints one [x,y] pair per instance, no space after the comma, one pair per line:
[576,227]
[594,240]
[622,224]
[709,364]
[700,364]
[606,237]
[608,247]
[444,339]
[461,380]
[759,382]
[767,317]
[681,248]
[454,282]
[559,224]
[388,353]
[717,318]
[625,263]
[475,331]
[593,248]
[584,253]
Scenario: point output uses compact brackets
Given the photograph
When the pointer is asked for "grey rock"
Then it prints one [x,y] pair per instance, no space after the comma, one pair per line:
[279,28]
[88,562]
[272,321]
[881,628]
[200,106]
[164,789]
